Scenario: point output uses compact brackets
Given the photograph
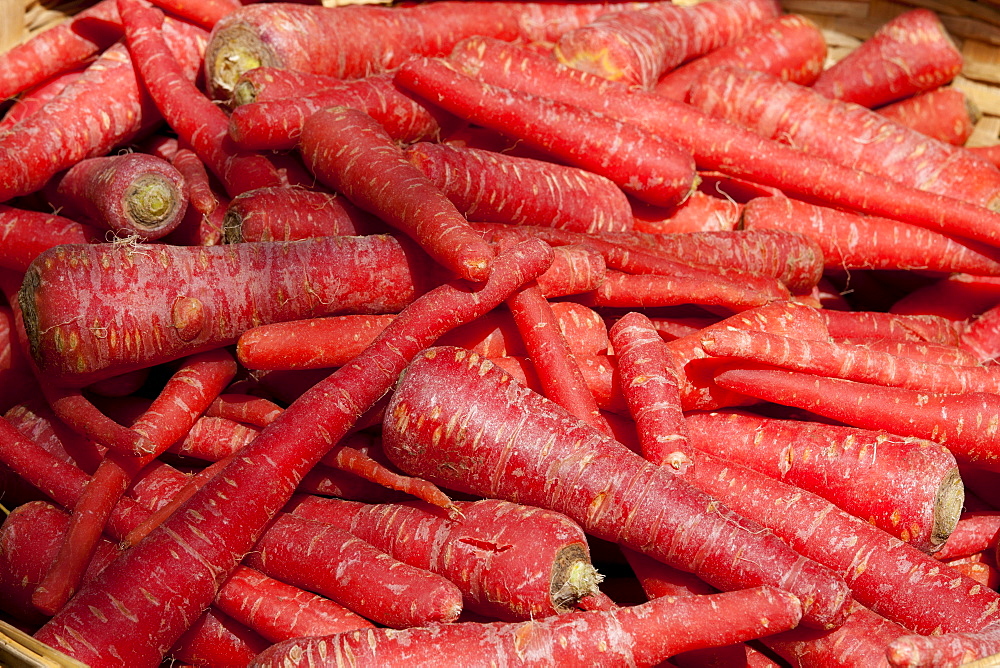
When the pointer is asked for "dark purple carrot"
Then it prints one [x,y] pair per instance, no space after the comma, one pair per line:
[494,187]
[643,164]
[131,194]
[521,447]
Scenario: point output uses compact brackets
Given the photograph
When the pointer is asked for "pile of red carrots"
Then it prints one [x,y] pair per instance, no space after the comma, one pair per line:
[496,333]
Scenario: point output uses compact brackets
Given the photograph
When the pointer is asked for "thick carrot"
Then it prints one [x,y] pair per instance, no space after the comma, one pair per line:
[908,487]
[642,635]
[914,651]
[976,530]
[790,46]
[277,124]
[564,464]
[37,96]
[584,328]
[349,151]
[26,233]
[351,42]
[181,299]
[721,146]
[643,164]
[217,527]
[908,54]
[272,83]
[945,113]
[963,423]
[637,46]
[700,212]
[131,194]
[848,134]
[494,187]
[852,241]
[288,214]
[575,270]
[511,562]
[216,639]
[317,342]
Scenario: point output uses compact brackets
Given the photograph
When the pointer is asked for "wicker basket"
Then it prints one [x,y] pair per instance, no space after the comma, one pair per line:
[974,25]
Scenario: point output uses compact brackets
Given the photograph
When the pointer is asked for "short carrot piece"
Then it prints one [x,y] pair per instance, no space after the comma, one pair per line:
[944,113]
[287,214]
[314,343]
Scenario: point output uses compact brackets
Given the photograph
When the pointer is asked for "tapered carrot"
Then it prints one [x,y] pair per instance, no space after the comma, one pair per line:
[271,466]
[205,13]
[913,651]
[563,464]
[955,297]
[37,96]
[961,422]
[790,46]
[945,113]
[908,487]
[980,336]
[255,411]
[848,134]
[216,639]
[181,298]
[700,212]
[875,324]
[852,241]
[637,46]
[619,289]
[349,151]
[190,114]
[287,214]
[643,164]
[907,54]
[574,270]
[742,153]
[976,530]
[319,342]
[27,233]
[493,187]
[641,635]
[272,83]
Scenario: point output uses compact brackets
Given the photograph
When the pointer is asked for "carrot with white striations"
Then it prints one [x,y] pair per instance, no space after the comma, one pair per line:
[897,326]
[945,113]
[979,336]
[286,214]
[26,233]
[350,152]
[317,343]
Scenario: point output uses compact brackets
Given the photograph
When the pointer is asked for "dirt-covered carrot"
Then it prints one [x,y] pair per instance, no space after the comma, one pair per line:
[945,113]
[637,46]
[648,378]
[743,153]
[642,635]
[612,492]
[848,134]
[183,299]
[349,151]
[494,187]
[908,54]
[131,194]
[852,241]
[961,422]
[909,487]
[511,562]
[790,46]
[189,113]
[287,214]
[271,466]
[643,164]
[351,42]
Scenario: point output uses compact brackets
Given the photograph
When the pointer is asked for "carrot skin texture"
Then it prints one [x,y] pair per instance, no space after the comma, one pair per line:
[613,489]
[745,154]
[349,151]
[919,492]
[892,326]
[181,298]
[320,342]
[494,187]
[790,46]
[289,214]
[944,113]
[942,650]
[653,169]
[215,639]
[848,134]
[640,635]
[636,47]
[976,531]
[908,54]
[216,540]
[27,233]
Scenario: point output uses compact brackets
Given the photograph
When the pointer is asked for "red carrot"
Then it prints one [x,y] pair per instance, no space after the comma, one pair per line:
[907,54]
[945,649]
[908,487]
[214,540]
[976,530]
[351,42]
[642,635]
[319,342]
[205,13]
[619,289]
[699,213]
[848,134]
[565,465]
[852,241]
[511,562]
[957,421]
[255,411]
[584,328]
[875,324]
[277,124]
[37,96]
[980,336]
[27,233]
[172,301]
[637,46]
[742,153]
[495,187]
[790,46]
[273,83]
[215,639]
[287,214]
[574,270]
[648,378]
[131,194]
[945,113]
[386,184]
[189,113]
[643,164]
[955,297]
